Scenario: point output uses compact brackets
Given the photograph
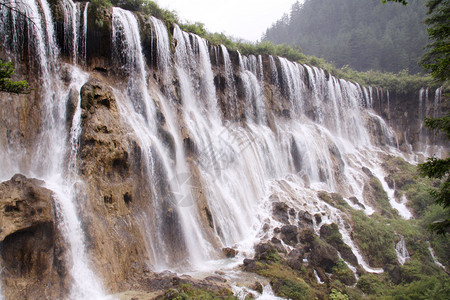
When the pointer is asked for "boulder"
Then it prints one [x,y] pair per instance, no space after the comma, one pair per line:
[250,265]
[229,252]
[24,204]
[330,233]
[289,234]
[323,255]
[32,249]
[305,219]
[280,212]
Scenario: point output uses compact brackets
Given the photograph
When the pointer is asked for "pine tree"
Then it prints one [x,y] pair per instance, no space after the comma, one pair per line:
[9,86]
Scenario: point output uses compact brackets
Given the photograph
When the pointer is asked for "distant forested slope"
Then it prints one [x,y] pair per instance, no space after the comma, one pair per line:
[364,34]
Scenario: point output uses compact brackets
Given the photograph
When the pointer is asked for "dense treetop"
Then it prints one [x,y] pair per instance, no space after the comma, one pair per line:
[366,35]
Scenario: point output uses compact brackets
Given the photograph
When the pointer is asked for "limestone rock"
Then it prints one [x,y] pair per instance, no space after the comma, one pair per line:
[289,234]
[23,204]
[280,212]
[323,255]
[32,249]
[330,233]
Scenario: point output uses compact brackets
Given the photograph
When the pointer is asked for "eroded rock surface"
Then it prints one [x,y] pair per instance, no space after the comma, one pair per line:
[32,250]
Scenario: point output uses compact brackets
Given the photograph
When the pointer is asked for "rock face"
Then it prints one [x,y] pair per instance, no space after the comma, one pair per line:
[111,194]
[32,250]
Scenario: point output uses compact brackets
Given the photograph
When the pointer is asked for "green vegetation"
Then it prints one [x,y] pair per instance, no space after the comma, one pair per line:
[437,59]
[285,281]
[343,273]
[9,86]
[366,35]
[375,239]
[337,295]
[187,291]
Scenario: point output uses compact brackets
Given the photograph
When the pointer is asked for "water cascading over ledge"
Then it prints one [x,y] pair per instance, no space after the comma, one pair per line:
[160,152]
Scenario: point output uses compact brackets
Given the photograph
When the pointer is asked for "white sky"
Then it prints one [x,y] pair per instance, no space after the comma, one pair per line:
[247,19]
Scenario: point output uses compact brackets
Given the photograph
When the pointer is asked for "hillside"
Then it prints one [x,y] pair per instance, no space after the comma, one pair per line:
[366,35]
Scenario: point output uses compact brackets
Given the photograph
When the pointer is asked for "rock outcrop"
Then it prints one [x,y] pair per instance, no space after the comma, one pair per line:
[32,248]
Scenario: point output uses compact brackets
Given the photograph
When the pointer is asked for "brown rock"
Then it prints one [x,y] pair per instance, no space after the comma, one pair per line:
[24,204]
[32,249]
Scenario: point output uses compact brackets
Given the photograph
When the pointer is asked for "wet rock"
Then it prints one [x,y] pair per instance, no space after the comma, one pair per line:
[267,251]
[330,233]
[295,259]
[215,278]
[323,255]
[250,265]
[307,236]
[257,286]
[289,234]
[334,199]
[318,218]
[229,252]
[280,212]
[356,202]
[305,219]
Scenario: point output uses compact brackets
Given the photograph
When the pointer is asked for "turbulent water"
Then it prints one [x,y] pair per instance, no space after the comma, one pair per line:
[321,141]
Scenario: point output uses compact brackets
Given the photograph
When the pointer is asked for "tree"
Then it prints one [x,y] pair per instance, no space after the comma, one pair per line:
[439,169]
[404,2]
[437,62]
[9,86]
[437,59]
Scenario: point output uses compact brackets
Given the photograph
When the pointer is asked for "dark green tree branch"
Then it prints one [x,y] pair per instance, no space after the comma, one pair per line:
[9,86]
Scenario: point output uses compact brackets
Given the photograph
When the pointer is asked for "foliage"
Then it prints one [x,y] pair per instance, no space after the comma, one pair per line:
[337,295]
[366,35]
[437,59]
[285,281]
[187,291]
[9,86]
[428,287]
[375,239]
[369,284]
[439,169]
[343,273]
[404,2]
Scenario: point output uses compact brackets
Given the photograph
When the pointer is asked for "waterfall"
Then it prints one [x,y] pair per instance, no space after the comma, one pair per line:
[128,51]
[84,35]
[48,154]
[220,140]
[402,252]
[71,27]
[163,48]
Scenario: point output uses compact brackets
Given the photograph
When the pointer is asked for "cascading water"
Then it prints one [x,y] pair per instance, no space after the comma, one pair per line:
[402,252]
[214,145]
[48,154]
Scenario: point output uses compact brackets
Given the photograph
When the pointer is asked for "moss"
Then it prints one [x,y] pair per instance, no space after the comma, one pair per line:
[382,199]
[375,239]
[187,291]
[343,273]
[370,284]
[285,281]
[407,180]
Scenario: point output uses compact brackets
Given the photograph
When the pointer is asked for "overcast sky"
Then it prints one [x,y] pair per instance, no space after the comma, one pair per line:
[247,19]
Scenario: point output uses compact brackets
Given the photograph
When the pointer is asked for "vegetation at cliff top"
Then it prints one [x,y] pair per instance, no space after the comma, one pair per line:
[400,82]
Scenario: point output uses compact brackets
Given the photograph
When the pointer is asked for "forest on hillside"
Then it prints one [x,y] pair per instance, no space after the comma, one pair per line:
[363,34]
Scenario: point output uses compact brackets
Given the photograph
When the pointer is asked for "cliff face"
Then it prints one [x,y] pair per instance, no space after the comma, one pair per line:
[161,151]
